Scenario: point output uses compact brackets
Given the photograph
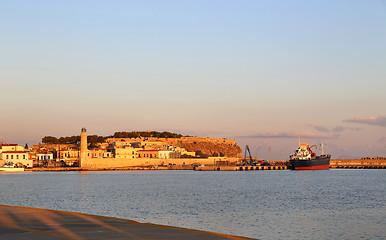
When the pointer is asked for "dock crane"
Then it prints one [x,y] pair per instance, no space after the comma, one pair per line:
[249,161]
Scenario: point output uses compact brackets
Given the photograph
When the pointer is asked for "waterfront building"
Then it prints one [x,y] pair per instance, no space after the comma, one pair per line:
[178,152]
[33,158]
[165,153]
[10,147]
[16,158]
[44,155]
[126,152]
[148,154]
[99,153]
[68,156]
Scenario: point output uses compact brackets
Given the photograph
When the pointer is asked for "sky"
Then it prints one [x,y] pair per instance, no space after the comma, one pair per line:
[262,72]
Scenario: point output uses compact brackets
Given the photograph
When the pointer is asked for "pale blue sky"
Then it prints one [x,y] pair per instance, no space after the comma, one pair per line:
[207,68]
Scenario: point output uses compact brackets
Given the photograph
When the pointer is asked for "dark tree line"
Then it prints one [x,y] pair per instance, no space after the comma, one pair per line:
[72,140]
[136,134]
[93,139]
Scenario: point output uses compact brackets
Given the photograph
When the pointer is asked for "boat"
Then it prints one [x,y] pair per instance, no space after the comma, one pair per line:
[305,159]
[11,168]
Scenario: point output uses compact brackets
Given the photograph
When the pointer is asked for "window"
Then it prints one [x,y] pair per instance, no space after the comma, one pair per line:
[23,156]
[17,156]
[11,156]
[7,156]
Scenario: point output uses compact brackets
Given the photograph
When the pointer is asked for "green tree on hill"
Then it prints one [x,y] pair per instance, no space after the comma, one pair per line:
[49,139]
[136,134]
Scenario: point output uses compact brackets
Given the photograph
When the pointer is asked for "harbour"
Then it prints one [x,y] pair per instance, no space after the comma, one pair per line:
[193,120]
[263,205]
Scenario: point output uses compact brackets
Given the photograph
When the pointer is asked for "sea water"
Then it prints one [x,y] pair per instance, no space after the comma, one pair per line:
[330,204]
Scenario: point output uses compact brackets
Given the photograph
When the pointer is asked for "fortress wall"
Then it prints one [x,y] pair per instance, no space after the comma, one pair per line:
[203,139]
[100,163]
[171,140]
[359,162]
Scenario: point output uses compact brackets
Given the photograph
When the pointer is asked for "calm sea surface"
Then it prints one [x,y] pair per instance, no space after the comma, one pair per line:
[334,204]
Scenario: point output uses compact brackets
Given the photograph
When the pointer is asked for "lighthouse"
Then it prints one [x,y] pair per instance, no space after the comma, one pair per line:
[83,145]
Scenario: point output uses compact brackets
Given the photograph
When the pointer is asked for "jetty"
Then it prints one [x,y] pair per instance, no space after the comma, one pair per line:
[239,168]
[33,223]
[224,166]
[366,163]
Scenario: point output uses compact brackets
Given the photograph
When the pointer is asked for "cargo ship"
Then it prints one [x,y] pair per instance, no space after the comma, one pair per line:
[305,159]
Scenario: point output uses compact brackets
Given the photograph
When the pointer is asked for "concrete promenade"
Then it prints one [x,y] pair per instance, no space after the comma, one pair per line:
[33,223]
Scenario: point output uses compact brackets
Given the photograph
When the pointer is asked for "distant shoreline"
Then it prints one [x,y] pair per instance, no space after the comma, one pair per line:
[334,163]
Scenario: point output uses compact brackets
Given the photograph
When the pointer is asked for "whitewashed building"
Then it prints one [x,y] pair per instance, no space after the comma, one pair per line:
[16,158]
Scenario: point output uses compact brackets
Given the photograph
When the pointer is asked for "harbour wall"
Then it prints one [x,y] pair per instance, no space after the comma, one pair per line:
[358,163]
[110,163]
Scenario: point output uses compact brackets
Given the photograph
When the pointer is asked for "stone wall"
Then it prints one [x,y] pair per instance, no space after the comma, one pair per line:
[106,163]
[357,162]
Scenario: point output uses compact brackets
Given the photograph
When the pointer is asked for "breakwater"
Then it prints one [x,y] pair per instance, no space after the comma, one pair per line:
[358,163]
[204,165]
[239,168]
[163,163]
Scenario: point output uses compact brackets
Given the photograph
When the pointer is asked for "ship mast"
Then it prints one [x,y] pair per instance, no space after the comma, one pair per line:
[322,144]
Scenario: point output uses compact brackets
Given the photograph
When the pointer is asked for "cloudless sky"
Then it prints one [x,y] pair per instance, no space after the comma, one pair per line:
[262,72]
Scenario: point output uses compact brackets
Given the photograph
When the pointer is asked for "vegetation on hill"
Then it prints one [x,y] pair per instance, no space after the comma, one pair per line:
[72,140]
[92,139]
[156,134]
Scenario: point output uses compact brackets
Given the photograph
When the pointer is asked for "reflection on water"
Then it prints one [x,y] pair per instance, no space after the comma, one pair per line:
[334,204]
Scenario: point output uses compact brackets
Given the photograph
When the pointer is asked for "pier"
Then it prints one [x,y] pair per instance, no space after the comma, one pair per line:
[239,168]
[358,163]
[33,223]
[274,165]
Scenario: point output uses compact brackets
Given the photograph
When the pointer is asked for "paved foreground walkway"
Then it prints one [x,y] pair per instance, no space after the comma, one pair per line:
[33,223]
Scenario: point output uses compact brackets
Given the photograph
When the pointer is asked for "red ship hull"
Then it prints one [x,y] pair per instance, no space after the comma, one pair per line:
[320,167]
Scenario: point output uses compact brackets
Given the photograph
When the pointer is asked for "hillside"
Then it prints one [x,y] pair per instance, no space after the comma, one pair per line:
[208,146]
[205,145]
